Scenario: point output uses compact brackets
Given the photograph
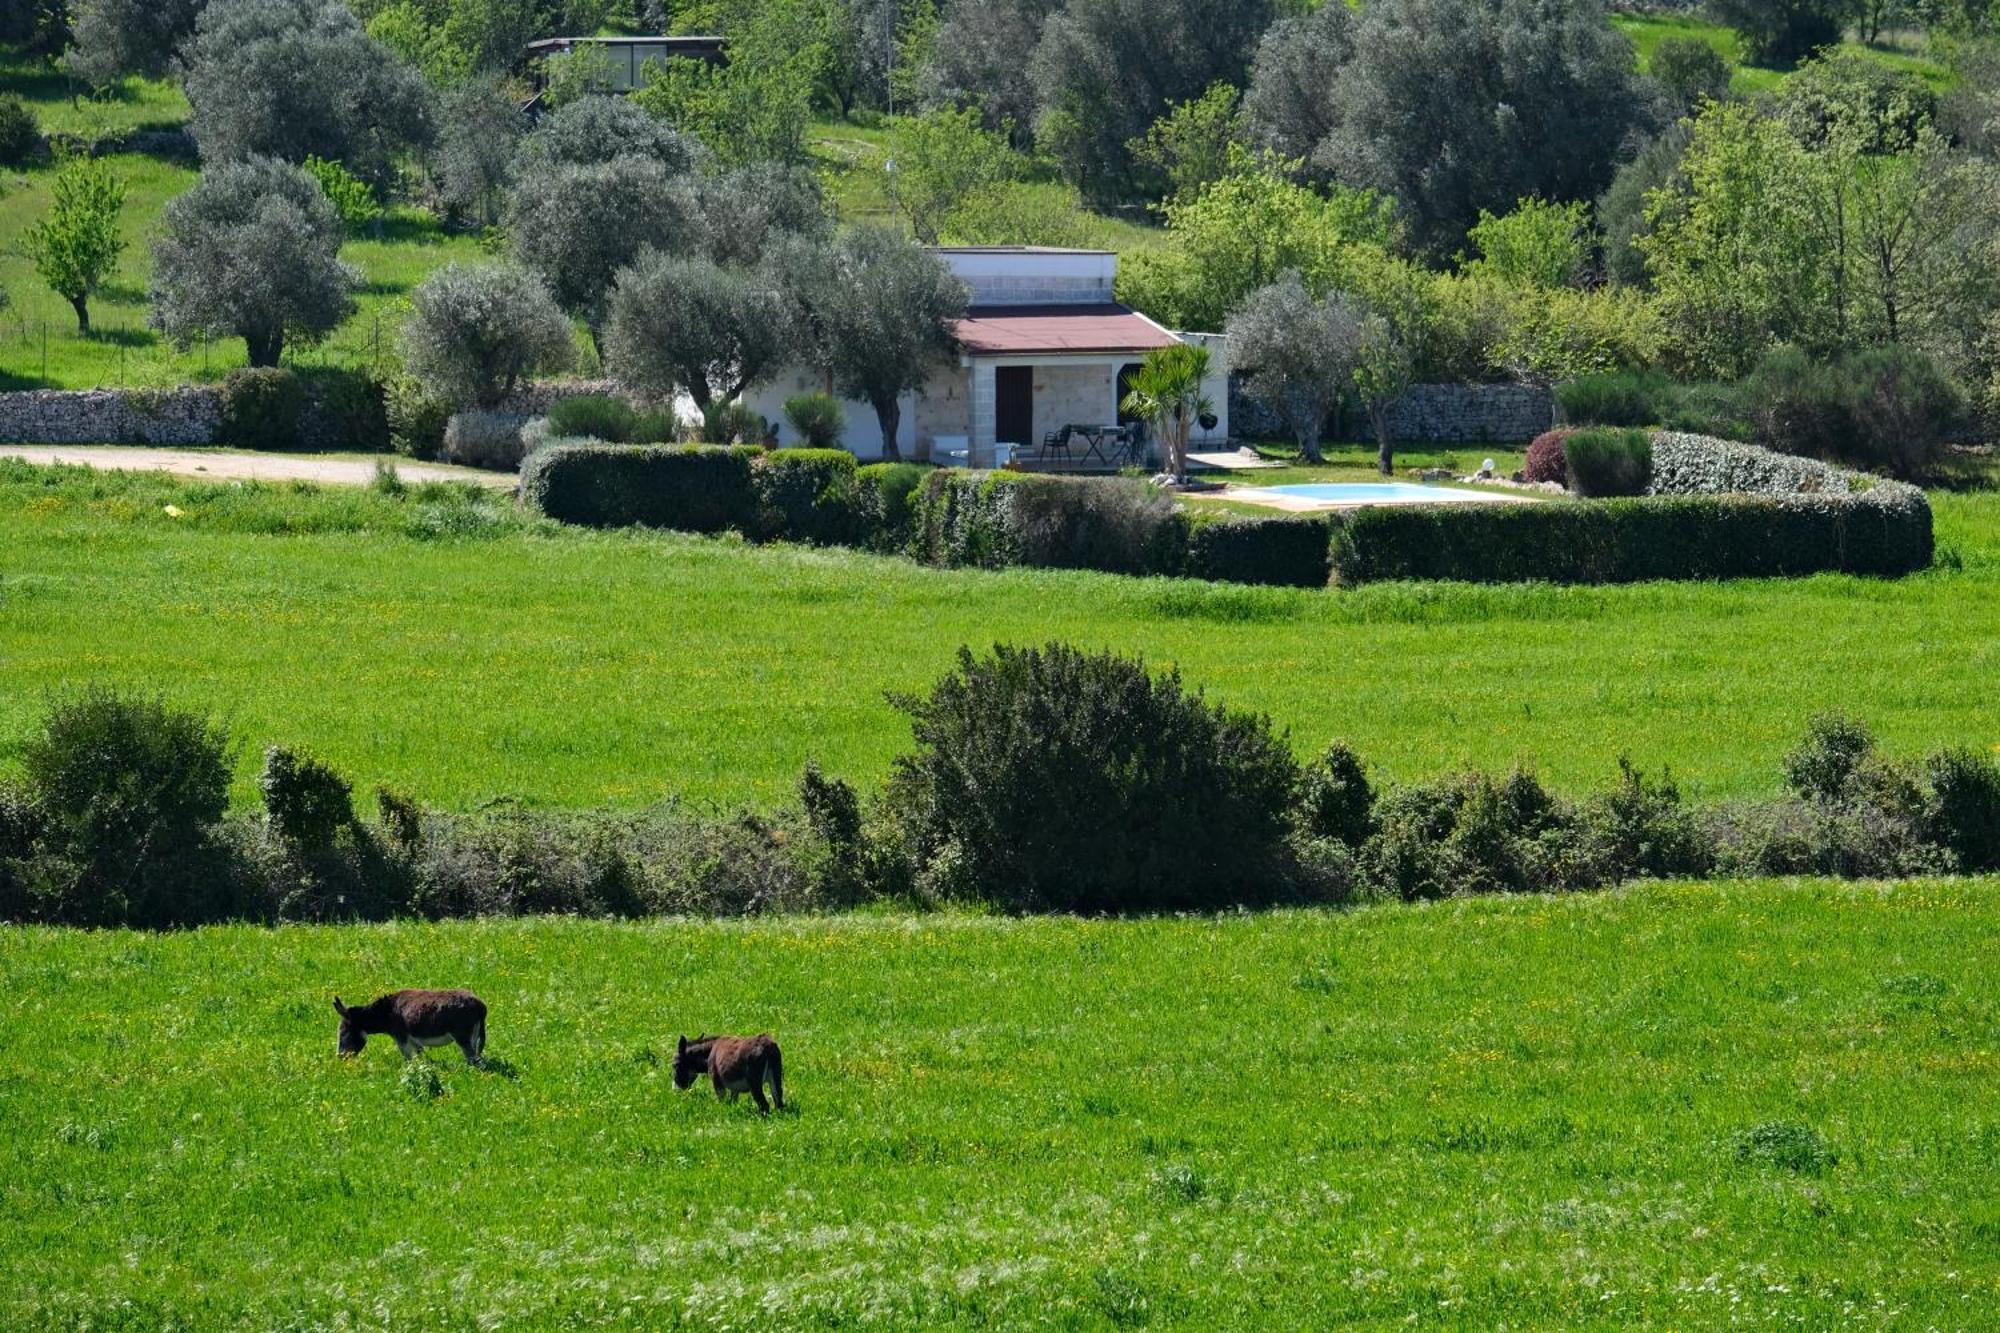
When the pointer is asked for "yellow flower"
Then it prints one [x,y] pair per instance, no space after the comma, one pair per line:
[171,511]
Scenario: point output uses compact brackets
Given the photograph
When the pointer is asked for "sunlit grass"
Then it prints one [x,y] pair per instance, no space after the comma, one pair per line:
[1647,31]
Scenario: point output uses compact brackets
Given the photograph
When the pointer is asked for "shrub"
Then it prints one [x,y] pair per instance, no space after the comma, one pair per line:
[1965,818]
[1642,828]
[485,439]
[353,199]
[1827,763]
[262,408]
[808,495]
[733,423]
[1889,409]
[1616,398]
[1471,834]
[1057,780]
[417,421]
[599,416]
[1116,524]
[127,789]
[20,135]
[345,409]
[1287,552]
[687,488]
[306,802]
[889,495]
[1545,459]
[1336,802]
[818,419]
[1600,463]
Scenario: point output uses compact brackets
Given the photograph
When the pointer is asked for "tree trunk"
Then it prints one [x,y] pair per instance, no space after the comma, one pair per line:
[265,346]
[1385,451]
[82,305]
[889,416]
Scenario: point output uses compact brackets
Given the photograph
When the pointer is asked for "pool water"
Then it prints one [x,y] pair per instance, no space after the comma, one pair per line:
[1377,493]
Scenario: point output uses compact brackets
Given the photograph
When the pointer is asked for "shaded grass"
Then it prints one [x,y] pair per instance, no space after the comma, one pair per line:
[1676,1106]
[450,648]
[1647,31]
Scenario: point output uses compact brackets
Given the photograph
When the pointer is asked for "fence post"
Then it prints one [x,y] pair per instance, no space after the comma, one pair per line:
[45,351]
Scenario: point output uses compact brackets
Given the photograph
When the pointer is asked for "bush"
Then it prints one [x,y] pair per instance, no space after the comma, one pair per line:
[733,423]
[1336,802]
[126,790]
[889,497]
[1642,828]
[485,439]
[689,488]
[1471,834]
[1600,463]
[345,410]
[20,135]
[353,199]
[991,520]
[262,408]
[808,495]
[598,416]
[818,419]
[306,802]
[417,421]
[1544,462]
[1888,409]
[1055,780]
[1616,398]
[1827,763]
[1287,552]
[1965,818]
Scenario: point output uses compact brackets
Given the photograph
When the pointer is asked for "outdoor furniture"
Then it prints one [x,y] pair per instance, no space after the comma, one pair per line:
[1109,446]
[1056,444]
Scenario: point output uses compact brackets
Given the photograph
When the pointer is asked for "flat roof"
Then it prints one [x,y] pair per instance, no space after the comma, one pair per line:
[689,43]
[1014,250]
[1017,330]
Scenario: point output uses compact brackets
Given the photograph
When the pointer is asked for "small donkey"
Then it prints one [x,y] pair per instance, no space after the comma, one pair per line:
[735,1065]
[415,1019]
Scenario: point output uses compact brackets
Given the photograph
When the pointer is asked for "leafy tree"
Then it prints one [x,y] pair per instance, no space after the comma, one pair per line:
[598,129]
[114,38]
[1299,354]
[1244,231]
[479,132]
[1382,375]
[758,105]
[476,332]
[413,37]
[1454,105]
[583,71]
[493,32]
[690,324]
[941,157]
[1691,71]
[296,78]
[578,225]
[75,246]
[1166,392]
[743,213]
[253,249]
[1024,213]
[977,57]
[1194,144]
[1854,98]
[1783,32]
[352,198]
[1539,244]
[1621,209]
[1096,92]
[878,311]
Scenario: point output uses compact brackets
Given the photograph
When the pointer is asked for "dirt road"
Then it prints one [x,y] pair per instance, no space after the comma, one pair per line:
[221,464]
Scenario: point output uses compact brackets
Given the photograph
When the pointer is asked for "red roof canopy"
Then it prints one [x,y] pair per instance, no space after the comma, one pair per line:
[1020,330]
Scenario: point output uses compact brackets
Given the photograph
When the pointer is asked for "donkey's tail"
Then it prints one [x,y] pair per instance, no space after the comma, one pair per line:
[479,1039]
[777,1077]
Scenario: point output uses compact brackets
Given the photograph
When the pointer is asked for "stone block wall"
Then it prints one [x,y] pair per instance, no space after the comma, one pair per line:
[184,416]
[1441,413]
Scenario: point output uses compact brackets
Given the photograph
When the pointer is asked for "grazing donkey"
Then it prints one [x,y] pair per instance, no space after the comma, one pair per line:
[735,1065]
[415,1019]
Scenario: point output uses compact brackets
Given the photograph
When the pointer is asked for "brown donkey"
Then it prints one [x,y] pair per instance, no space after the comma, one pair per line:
[415,1019]
[735,1065]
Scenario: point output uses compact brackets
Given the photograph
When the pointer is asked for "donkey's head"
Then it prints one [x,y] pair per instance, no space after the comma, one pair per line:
[690,1062]
[351,1038]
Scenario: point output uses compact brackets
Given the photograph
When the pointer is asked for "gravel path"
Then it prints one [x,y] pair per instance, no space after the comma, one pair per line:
[216,463]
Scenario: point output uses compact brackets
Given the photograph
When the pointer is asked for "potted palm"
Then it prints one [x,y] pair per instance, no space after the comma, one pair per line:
[1166,393]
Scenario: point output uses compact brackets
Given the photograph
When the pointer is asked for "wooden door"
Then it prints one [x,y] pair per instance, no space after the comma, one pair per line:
[1014,405]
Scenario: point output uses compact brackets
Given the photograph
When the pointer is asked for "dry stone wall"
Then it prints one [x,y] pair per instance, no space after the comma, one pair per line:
[189,415]
[1445,413]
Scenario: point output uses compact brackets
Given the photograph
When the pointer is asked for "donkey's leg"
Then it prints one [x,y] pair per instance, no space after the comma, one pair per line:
[757,1092]
[408,1048]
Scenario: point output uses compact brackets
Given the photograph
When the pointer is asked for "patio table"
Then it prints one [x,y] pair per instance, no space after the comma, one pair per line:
[1109,445]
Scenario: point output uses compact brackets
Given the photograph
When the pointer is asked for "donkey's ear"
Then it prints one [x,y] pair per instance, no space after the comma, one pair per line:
[684,1044]
[338,1007]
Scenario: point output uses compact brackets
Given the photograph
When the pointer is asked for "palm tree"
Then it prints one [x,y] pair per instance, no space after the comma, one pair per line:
[1166,392]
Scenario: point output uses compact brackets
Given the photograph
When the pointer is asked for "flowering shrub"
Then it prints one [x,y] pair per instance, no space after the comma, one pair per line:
[1545,459]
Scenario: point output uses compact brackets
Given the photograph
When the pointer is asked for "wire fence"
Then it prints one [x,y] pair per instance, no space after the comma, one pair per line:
[119,354]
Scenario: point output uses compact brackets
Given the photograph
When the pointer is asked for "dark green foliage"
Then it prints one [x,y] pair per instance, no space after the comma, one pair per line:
[1472,834]
[809,495]
[1617,398]
[1782,32]
[889,494]
[344,410]
[599,416]
[1965,794]
[20,136]
[127,789]
[1604,463]
[732,423]
[1336,801]
[262,408]
[1115,524]
[307,803]
[1641,828]
[1691,71]
[1624,541]
[1887,409]
[818,419]
[1825,765]
[1288,552]
[1057,780]
[687,488]
[1544,460]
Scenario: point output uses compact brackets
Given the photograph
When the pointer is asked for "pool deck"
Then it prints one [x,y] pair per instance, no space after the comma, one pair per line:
[1299,504]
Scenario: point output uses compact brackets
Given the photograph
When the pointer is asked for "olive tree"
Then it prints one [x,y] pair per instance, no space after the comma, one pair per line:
[479,131]
[879,312]
[1298,354]
[253,249]
[296,78]
[75,246]
[113,38]
[598,129]
[476,331]
[579,225]
[744,213]
[689,323]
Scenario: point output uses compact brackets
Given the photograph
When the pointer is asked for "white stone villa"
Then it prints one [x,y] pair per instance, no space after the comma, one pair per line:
[1042,347]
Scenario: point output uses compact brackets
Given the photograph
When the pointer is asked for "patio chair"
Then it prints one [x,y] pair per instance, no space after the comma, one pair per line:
[1056,444]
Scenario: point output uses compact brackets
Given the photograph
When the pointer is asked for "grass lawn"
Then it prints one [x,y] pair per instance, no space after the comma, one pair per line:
[1677,1106]
[1647,31]
[449,647]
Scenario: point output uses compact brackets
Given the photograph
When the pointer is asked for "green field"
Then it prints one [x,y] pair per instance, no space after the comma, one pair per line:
[1647,31]
[464,654]
[1676,1106]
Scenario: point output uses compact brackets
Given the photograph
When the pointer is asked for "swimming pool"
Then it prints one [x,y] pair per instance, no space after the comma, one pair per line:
[1375,493]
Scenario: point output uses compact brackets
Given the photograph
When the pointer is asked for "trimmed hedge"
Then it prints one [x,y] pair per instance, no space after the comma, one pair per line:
[1287,552]
[990,520]
[689,488]
[809,495]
